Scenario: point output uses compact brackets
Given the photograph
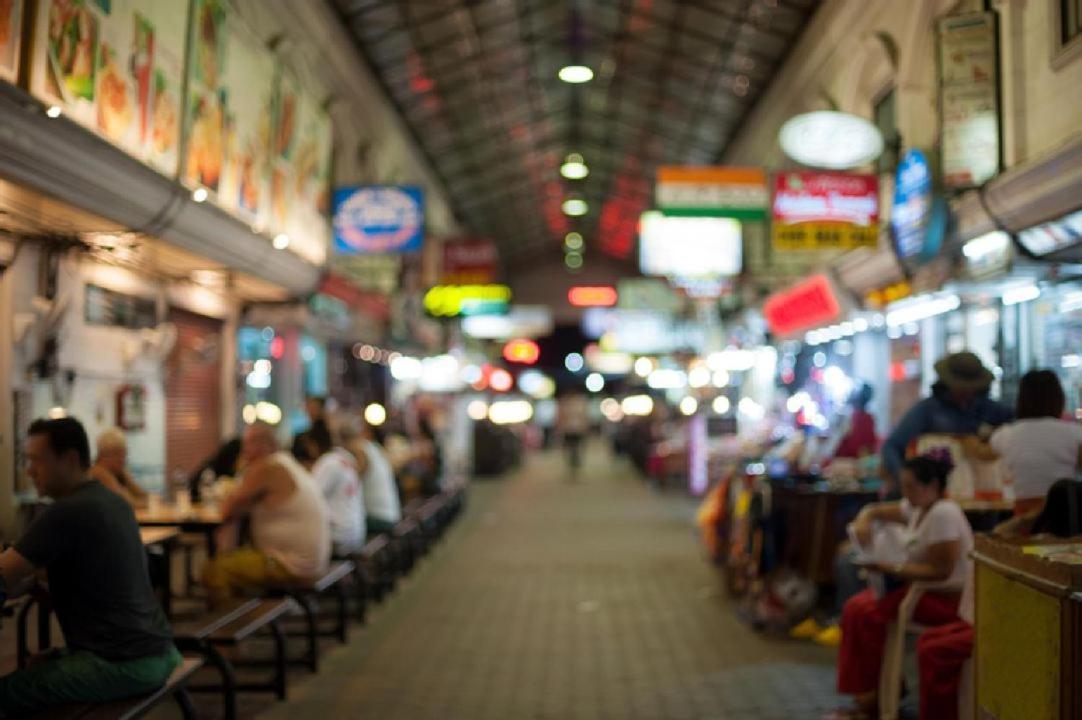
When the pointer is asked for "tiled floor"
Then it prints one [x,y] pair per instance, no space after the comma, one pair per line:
[553,600]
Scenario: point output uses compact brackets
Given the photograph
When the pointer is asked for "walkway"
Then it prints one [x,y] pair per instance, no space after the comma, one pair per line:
[551,600]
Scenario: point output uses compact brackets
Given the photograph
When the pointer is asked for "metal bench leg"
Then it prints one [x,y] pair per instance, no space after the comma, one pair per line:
[360,578]
[312,623]
[280,659]
[184,702]
[343,611]
[229,679]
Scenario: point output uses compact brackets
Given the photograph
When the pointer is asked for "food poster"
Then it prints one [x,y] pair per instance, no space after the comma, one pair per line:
[116,67]
[300,182]
[247,97]
[11,22]
[204,114]
[230,112]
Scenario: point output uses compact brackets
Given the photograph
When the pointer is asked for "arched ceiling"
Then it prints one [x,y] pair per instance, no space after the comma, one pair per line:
[476,82]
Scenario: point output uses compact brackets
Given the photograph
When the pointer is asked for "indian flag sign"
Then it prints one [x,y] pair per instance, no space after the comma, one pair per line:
[733,192]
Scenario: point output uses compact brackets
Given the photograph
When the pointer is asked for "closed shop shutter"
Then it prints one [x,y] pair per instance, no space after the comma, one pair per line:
[192,391]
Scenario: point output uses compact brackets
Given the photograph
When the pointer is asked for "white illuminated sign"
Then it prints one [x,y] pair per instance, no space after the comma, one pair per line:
[689,246]
[832,140]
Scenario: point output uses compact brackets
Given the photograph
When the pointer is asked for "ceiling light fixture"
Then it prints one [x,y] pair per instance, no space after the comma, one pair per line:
[576,74]
[573,260]
[199,194]
[54,111]
[573,241]
[281,241]
[575,207]
[574,167]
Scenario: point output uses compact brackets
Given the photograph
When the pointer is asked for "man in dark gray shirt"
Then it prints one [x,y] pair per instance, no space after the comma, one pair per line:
[118,640]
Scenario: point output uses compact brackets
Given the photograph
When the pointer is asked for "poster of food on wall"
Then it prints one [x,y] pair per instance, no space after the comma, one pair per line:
[300,179]
[230,112]
[116,67]
[11,22]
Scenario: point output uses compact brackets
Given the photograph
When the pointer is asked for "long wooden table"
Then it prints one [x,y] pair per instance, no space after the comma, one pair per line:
[200,518]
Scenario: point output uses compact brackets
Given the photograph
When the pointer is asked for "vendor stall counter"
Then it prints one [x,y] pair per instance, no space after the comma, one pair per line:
[1028,630]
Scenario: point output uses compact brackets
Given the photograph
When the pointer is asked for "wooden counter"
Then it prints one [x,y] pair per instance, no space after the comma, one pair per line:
[1029,633]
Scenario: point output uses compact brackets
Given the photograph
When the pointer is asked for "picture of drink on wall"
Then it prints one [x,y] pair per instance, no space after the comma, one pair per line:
[142,68]
[115,111]
[209,28]
[11,16]
[164,125]
[204,166]
[73,45]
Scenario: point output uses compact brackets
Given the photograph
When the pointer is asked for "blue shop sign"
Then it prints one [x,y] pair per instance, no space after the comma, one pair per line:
[919,218]
[378,219]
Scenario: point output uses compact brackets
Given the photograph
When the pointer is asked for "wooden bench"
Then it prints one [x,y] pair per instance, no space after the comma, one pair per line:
[134,707]
[228,627]
[307,596]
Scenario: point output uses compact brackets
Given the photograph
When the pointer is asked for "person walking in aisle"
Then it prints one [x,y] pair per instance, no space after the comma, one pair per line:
[572,423]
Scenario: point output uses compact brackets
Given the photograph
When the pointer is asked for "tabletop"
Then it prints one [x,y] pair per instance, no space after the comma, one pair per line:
[197,514]
[156,535]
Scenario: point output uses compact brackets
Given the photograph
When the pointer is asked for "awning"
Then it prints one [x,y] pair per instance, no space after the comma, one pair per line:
[1033,193]
[58,158]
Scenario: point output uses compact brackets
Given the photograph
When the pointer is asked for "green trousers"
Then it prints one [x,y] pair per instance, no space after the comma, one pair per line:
[80,676]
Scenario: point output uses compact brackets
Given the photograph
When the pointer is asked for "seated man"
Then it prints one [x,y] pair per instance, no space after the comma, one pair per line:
[335,472]
[118,640]
[381,503]
[111,468]
[291,539]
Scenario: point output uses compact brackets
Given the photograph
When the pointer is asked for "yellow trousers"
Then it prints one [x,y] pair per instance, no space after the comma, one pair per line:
[226,575]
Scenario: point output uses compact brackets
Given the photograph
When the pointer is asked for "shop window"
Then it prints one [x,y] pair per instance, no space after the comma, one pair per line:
[1070,21]
[886,121]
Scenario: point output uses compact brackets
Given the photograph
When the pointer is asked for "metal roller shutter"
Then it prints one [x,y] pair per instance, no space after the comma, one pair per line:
[192,391]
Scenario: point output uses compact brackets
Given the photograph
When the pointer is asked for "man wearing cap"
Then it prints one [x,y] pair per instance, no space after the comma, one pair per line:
[959,405]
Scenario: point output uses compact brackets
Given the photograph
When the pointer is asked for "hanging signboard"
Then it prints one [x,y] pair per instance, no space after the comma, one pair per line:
[734,192]
[114,67]
[806,305]
[648,294]
[969,99]
[689,246]
[468,262]
[378,219]
[11,24]
[370,272]
[825,211]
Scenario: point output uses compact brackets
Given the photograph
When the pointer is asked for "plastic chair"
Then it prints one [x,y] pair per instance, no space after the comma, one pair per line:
[890,673]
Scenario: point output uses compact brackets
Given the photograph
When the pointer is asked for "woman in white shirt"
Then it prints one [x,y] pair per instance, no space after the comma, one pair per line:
[1039,448]
[937,546]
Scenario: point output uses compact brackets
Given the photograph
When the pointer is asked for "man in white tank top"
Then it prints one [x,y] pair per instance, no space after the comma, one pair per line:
[290,529]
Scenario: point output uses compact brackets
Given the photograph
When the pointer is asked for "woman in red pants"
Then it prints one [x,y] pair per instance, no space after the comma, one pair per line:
[938,542]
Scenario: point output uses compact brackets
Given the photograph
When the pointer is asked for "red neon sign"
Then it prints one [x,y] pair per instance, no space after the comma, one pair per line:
[592,296]
[803,306]
[521,351]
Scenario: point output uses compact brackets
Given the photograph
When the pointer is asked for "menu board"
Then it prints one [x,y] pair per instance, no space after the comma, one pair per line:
[300,169]
[229,113]
[969,102]
[116,67]
[11,22]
